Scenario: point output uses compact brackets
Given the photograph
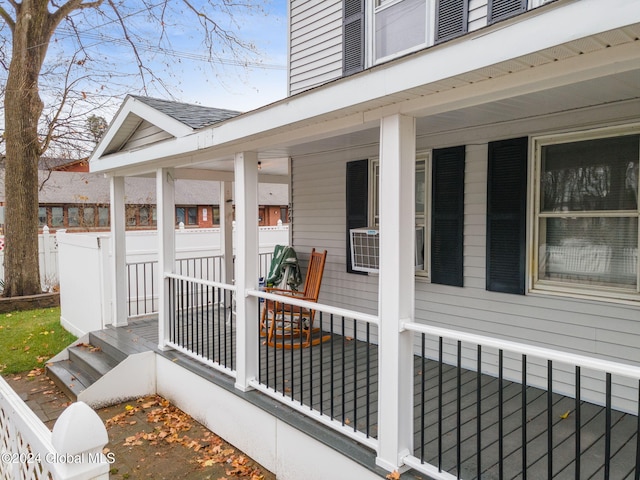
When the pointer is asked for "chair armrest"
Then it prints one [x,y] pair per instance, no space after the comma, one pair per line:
[277,290]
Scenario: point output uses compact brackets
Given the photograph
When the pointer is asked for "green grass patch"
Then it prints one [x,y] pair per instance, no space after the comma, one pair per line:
[30,338]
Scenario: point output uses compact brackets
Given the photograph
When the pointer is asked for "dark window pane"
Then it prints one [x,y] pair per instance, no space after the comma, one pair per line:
[132,220]
[73,216]
[180,215]
[591,175]
[57,217]
[193,215]
[89,216]
[42,216]
[103,216]
[143,212]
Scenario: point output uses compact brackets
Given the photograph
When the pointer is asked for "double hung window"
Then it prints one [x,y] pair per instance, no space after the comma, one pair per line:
[422,217]
[400,26]
[586,213]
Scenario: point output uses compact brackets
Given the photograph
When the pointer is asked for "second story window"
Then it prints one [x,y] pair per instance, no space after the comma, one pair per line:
[400,26]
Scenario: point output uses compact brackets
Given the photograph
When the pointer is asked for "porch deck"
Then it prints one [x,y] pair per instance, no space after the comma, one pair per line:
[345,364]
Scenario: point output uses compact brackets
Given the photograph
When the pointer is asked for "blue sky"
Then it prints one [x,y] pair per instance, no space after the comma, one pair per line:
[186,74]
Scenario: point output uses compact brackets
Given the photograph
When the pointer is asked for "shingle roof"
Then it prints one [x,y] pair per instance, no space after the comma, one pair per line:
[85,187]
[195,116]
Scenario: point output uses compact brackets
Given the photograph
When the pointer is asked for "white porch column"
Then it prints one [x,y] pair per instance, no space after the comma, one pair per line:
[396,289]
[165,195]
[226,230]
[246,188]
[119,310]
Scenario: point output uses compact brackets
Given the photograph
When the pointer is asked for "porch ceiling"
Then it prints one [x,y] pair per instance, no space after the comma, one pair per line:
[610,89]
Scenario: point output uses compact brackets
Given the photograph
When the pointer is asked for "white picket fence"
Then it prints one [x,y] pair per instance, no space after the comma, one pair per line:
[30,451]
[48,247]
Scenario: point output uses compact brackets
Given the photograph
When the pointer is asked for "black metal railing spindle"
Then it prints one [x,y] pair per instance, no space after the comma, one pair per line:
[637,472]
[500,414]
[355,374]
[458,409]
[368,393]
[332,375]
[524,417]
[423,385]
[607,434]
[479,411]
[549,419]
[342,380]
[153,308]
[578,424]
[440,363]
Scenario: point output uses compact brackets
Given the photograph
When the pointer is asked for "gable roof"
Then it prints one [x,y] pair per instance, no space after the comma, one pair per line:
[143,121]
[195,116]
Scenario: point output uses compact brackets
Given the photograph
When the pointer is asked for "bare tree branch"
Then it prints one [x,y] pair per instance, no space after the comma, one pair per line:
[7,18]
[72,5]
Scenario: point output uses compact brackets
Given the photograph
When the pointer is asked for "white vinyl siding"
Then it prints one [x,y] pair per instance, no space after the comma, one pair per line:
[477,14]
[318,194]
[602,328]
[315,43]
[145,134]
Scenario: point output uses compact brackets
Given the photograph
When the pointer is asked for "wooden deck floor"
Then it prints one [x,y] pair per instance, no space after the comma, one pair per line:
[341,374]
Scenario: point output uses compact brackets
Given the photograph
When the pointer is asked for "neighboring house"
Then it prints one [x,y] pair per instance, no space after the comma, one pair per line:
[72,198]
[490,149]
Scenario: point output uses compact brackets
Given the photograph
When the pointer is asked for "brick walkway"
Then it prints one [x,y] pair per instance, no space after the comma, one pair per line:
[148,438]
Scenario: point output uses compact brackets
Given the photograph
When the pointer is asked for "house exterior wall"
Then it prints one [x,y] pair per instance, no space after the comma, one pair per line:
[315,43]
[477,14]
[316,38]
[605,329]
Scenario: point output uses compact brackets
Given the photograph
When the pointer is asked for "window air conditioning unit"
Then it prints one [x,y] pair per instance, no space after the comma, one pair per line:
[365,249]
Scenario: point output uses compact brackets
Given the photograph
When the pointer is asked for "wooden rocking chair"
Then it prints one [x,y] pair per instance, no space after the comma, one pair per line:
[290,326]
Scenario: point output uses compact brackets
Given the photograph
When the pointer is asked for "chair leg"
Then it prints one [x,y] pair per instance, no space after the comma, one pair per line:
[263,325]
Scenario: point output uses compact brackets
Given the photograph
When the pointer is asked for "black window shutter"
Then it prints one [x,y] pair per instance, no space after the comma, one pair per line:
[451,19]
[501,9]
[353,37]
[447,219]
[506,216]
[357,201]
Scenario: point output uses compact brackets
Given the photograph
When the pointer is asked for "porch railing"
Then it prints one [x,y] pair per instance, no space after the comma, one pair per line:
[495,421]
[483,407]
[142,279]
[335,381]
[30,451]
[202,321]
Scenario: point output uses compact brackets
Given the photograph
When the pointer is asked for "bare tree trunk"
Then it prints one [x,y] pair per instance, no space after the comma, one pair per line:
[23,107]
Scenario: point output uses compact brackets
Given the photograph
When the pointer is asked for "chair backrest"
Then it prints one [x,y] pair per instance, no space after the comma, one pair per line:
[315,270]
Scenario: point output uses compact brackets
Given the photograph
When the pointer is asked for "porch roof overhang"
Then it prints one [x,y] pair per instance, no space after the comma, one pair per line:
[527,66]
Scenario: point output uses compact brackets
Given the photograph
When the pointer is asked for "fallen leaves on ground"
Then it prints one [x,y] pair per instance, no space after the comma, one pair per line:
[171,425]
[395,475]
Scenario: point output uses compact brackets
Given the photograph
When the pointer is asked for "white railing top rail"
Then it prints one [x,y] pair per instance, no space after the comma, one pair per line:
[207,283]
[607,366]
[318,307]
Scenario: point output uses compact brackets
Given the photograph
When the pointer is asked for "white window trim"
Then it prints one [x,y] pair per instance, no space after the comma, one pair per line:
[558,288]
[423,155]
[370,32]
